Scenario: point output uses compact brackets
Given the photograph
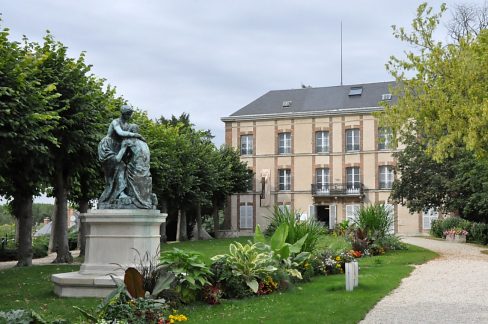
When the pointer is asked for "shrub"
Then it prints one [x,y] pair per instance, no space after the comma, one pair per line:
[40,246]
[22,316]
[296,228]
[391,243]
[478,232]
[436,228]
[232,286]
[374,221]
[191,271]
[439,226]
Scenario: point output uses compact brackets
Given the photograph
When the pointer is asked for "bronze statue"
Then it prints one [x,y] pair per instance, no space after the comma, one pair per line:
[125,158]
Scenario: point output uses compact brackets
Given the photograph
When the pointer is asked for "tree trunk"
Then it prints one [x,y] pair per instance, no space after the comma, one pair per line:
[182,230]
[227,215]
[52,243]
[23,212]
[61,225]
[83,204]
[215,216]
[199,222]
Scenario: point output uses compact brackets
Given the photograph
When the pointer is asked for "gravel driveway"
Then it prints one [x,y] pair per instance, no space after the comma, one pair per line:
[450,289]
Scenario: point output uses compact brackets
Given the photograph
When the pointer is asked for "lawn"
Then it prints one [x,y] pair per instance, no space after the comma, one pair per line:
[324,299]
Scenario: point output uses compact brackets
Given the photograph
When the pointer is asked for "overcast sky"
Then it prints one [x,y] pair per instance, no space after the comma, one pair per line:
[210,58]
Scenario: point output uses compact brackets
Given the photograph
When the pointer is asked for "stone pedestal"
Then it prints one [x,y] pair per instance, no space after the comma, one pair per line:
[115,238]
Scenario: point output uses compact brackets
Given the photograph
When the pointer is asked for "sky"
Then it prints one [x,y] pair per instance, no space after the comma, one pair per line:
[210,58]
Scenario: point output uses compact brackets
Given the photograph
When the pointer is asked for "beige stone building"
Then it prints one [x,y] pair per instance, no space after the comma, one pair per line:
[316,150]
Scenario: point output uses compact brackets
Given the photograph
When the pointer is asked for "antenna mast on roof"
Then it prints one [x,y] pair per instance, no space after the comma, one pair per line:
[341,52]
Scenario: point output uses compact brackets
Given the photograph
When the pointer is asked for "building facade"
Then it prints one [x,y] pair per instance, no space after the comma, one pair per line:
[319,151]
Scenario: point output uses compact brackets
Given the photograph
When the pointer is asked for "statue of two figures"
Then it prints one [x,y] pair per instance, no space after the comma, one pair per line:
[125,158]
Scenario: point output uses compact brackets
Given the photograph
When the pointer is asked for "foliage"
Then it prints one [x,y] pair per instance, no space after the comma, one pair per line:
[374,221]
[190,270]
[21,316]
[478,232]
[296,229]
[442,89]
[248,262]
[333,263]
[211,294]
[439,226]
[342,227]
[341,306]
[391,243]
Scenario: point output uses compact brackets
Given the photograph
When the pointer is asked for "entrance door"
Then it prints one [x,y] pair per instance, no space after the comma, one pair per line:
[323,213]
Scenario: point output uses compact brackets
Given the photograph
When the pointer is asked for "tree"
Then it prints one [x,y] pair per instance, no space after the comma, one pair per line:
[442,89]
[84,107]
[467,20]
[27,122]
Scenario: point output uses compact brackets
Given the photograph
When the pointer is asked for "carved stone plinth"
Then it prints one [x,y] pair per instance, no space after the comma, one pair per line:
[113,239]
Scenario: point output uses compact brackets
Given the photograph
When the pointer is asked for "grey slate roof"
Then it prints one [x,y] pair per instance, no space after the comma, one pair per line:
[323,99]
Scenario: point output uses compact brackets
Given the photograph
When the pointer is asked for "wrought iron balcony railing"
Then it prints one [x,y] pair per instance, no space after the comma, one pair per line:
[337,189]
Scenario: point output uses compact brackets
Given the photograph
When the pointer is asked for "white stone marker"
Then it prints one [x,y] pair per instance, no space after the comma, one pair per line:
[352,275]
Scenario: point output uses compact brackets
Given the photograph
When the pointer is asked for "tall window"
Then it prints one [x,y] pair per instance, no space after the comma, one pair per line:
[246,144]
[321,142]
[245,215]
[285,208]
[322,179]
[284,143]
[352,211]
[352,176]
[352,139]
[284,179]
[428,216]
[386,176]
[385,136]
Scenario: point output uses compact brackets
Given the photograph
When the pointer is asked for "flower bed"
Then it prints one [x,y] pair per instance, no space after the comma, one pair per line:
[457,235]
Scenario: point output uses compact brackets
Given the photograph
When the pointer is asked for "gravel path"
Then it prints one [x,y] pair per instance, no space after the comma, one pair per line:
[450,289]
[46,260]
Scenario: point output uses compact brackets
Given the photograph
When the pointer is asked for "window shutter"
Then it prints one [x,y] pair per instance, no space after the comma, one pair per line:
[311,212]
[391,213]
[332,216]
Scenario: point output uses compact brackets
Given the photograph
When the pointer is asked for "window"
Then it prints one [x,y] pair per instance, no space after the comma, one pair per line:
[286,104]
[284,143]
[355,91]
[352,176]
[284,179]
[386,176]
[352,139]
[352,212]
[285,208]
[321,142]
[385,136]
[246,145]
[428,216]
[322,179]
[386,96]
[245,215]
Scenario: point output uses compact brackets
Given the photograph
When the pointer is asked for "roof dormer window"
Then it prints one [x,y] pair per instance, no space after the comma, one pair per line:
[355,91]
[286,104]
[386,96]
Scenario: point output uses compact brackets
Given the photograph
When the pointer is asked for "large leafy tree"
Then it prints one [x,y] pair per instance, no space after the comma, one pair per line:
[84,106]
[441,114]
[442,89]
[27,124]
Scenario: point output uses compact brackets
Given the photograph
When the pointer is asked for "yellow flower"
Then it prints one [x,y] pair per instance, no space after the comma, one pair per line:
[338,258]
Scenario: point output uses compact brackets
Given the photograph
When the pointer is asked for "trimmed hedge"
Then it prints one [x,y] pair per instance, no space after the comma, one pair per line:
[477,232]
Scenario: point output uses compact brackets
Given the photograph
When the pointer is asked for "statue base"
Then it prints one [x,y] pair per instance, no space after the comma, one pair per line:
[115,239]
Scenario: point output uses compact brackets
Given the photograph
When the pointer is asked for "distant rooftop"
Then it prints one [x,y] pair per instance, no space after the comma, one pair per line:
[307,101]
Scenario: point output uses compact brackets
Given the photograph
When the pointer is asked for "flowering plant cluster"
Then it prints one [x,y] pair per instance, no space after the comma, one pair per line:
[455,231]
[334,263]
[267,286]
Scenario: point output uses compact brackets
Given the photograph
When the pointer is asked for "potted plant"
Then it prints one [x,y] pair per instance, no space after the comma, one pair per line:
[456,235]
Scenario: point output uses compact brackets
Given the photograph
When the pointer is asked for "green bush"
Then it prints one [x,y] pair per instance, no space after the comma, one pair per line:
[40,246]
[440,225]
[391,243]
[374,221]
[296,229]
[478,232]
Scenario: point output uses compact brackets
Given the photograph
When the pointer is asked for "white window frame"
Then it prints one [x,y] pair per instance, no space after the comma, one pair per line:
[284,179]
[286,207]
[322,142]
[322,179]
[386,176]
[284,143]
[353,140]
[352,211]
[385,137]
[427,217]
[246,144]
[353,178]
[246,216]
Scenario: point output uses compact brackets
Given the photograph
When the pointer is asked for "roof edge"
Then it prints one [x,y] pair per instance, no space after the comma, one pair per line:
[342,111]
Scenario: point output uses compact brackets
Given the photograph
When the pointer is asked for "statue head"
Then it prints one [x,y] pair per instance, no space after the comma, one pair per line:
[126,110]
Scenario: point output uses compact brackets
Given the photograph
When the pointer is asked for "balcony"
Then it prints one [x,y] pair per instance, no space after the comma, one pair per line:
[337,190]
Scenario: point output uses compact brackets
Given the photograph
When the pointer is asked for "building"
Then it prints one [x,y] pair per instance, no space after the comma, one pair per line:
[316,150]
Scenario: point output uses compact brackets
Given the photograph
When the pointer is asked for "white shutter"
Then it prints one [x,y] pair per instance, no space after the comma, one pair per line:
[311,212]
[352,212]
[427,217]
[391,213]
[332,216]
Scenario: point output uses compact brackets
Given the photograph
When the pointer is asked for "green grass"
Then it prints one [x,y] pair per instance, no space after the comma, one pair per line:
[323,300]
